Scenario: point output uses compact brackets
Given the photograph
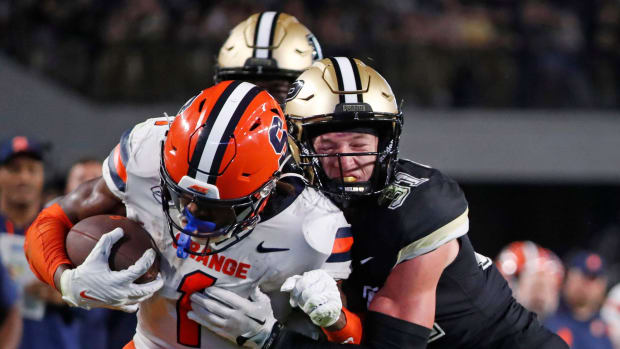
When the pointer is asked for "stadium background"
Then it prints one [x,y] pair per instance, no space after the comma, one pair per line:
[517,100]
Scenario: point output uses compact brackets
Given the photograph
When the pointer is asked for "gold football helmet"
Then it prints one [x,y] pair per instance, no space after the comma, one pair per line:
[340,94]
[268,45]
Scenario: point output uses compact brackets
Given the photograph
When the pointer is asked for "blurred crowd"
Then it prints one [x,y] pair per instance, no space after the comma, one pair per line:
[569,296]
[440,53]
[32,313]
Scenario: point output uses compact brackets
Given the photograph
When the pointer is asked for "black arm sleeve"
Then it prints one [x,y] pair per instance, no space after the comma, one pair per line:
[380,331]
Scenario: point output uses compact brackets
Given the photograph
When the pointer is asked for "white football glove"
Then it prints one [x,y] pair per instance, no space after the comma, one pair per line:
[316,293]
[247,322]
[93,284]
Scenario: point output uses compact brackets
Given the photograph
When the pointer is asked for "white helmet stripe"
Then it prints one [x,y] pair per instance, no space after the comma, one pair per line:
[263,34]
[348,79]
[221,123]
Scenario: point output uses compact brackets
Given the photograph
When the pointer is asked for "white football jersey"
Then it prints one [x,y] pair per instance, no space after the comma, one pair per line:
[309,234]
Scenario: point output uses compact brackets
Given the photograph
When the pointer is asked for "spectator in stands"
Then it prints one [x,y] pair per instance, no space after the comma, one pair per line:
[21,186]
[10,315]
[611,315]
[578,320]
[534,274]
[82,170]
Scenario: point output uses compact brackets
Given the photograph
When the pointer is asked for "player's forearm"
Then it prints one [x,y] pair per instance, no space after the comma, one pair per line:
[45,243]
[11,329]
[382,331]
[348,329]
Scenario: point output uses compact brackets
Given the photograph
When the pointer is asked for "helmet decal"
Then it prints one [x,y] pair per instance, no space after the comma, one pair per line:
[277,135]
[296,86]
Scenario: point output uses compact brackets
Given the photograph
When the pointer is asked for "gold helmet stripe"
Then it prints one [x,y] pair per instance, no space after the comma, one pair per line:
[263,35]
[348,77]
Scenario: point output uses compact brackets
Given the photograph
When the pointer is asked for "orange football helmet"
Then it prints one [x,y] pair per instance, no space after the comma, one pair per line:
[219,164]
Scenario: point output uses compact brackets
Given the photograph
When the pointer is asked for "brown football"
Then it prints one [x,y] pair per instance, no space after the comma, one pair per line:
[82,238]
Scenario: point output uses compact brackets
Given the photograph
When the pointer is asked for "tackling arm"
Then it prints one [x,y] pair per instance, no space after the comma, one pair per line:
[45,239]
[400,316]
[402,312]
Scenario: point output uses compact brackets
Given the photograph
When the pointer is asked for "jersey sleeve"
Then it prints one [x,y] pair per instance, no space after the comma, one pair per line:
[329,233]
[436,212]
[115,166]
[338,265]
[124,158]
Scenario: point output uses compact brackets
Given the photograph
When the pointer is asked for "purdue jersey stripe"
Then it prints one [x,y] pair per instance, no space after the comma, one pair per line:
[216,134]
[348,79]
[263,34]
[194,164]
[454,229]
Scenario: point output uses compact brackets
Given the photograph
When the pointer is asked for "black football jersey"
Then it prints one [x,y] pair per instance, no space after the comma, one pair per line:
[419,212]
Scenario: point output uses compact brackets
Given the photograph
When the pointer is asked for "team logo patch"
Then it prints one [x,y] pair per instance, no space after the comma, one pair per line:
[198,189]
[398,191]
[483,261]
[294,90]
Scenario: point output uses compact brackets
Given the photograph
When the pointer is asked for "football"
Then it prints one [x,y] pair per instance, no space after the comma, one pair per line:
[82,238]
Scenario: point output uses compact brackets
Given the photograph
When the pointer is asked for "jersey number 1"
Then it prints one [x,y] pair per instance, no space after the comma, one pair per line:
[188,331]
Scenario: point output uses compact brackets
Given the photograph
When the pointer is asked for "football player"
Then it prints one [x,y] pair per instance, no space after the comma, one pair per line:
[208,187]
[269,49]
[416,278]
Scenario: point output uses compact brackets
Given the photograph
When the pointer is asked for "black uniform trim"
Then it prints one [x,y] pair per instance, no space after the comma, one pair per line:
[260,17]
[358,81]
[272,33]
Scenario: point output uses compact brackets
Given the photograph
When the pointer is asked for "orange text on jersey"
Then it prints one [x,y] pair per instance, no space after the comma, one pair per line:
[223,264]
